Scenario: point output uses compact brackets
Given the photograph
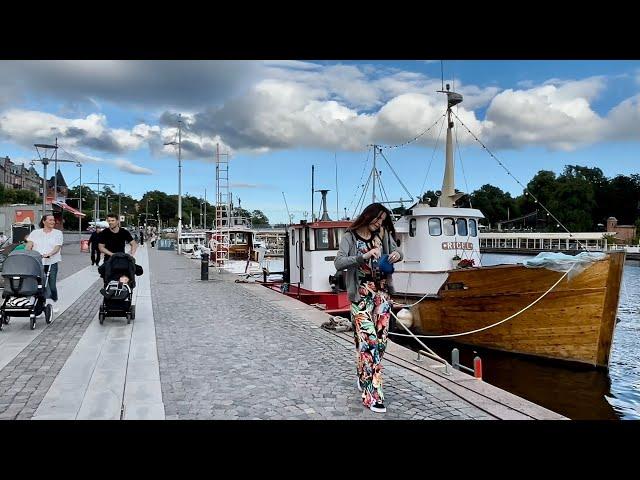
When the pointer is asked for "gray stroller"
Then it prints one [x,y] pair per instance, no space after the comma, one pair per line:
[25,285]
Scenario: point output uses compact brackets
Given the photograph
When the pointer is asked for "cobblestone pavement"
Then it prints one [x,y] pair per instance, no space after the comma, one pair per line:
[25,380]
[226,355]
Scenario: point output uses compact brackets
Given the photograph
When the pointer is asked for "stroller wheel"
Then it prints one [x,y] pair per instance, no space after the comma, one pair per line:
[133,312]
[48,314]
[101,318]
[32,322]
[128,318]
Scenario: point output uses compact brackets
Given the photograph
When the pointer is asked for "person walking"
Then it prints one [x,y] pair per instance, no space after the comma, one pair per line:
[114,238]
[153,239]
[142,237]
[48,242]
[95,251]
[367,249]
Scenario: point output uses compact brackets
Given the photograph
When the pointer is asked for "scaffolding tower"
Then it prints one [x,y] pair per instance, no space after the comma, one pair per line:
[223,208]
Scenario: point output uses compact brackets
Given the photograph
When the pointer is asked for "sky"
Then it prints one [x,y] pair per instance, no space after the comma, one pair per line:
[275,119]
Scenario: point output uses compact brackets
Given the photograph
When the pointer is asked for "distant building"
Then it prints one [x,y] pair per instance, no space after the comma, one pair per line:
[17,176]
[624,233]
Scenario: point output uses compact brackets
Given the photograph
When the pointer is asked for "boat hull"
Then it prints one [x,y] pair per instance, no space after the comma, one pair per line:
[573,322]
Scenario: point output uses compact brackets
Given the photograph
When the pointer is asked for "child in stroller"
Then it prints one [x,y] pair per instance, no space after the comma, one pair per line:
[25,288]
[119,274]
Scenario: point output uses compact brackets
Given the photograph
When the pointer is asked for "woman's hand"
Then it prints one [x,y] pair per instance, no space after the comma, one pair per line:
[374,252]
[394,257]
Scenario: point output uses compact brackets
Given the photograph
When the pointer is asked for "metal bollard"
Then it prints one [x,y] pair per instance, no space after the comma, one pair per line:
[477,368]
[204,266]
[455,358]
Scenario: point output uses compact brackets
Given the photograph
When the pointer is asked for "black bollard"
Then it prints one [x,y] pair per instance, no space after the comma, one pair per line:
[204,266]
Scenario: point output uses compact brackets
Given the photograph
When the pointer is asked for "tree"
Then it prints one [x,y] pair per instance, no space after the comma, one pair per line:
[495,204]
[259,218]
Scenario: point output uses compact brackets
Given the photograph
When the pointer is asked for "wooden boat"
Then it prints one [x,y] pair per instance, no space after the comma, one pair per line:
[574,321]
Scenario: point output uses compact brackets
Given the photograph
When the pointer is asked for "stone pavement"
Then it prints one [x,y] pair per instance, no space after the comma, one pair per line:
[213,350]
[226,355]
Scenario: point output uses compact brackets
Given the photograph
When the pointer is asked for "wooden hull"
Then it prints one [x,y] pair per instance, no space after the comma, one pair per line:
[574,322]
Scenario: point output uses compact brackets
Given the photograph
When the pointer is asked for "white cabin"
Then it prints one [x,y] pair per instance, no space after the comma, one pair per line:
[431,238]
[312,249]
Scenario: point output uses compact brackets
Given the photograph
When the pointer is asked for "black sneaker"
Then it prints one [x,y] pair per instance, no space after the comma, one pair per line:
[378,407]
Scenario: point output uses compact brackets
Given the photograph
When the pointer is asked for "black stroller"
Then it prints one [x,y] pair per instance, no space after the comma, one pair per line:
[25,285]
[118,295]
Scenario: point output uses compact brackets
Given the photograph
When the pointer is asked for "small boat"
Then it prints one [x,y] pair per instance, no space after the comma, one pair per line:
[309,273]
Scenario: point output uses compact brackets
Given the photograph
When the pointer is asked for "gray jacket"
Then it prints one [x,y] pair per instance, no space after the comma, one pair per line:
[348,259]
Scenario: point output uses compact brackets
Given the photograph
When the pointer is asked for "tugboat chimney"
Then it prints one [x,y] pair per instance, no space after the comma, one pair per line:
[325,213]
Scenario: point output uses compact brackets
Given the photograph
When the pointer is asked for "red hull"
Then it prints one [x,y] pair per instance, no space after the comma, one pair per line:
[334,303]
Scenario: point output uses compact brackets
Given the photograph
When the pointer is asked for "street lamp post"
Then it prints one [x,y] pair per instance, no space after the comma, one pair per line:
[80,205]
[179,179]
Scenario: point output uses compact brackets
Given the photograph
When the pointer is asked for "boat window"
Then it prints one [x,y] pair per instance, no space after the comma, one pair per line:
[435,227]
[337,236]
[322,238]
[307,243]
[473,231]
[461,224]
[293,238]
[449,227]
[412,227]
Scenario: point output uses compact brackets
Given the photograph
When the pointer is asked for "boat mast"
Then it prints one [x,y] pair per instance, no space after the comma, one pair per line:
[374,172]
[448,196]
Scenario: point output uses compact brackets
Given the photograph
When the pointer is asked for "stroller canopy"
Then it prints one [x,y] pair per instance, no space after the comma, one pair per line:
[119,264]
[23,263]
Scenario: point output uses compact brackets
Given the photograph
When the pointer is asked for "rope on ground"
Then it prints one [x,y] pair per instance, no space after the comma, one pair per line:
[338,324]
[451,335]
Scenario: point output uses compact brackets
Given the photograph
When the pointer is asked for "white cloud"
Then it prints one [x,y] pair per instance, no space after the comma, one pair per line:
[127,166]
[557,115]
[623,121]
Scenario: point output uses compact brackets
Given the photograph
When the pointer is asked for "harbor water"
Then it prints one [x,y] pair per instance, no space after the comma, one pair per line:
[580,393]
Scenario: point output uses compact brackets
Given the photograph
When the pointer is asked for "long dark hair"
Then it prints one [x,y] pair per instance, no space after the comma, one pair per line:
[369,214]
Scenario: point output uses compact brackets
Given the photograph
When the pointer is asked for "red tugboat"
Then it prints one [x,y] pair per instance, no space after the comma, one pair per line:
[309,273]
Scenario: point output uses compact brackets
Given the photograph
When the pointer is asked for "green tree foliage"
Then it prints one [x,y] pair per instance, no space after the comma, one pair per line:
[259,218]
[9,195]
[581,198]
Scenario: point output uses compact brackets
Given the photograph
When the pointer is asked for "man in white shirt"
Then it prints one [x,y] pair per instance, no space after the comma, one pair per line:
[48,242]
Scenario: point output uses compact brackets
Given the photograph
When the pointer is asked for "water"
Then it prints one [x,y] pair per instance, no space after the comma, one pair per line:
[577,392]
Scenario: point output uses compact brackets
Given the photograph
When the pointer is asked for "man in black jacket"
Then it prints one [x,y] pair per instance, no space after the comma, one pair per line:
[95,251]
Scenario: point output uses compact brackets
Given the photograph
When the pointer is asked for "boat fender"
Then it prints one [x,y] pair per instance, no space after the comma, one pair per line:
[406,317]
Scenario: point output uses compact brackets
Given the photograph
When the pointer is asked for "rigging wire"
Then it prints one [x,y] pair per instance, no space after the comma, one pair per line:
[526,190]
[433,155]
[396,175]
[360,184]
[414,138]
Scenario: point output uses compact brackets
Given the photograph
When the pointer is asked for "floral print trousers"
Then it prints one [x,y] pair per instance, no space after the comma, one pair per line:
[370,318]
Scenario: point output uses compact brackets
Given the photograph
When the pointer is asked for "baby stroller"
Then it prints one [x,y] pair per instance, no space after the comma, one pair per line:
[25,285]
[117,294]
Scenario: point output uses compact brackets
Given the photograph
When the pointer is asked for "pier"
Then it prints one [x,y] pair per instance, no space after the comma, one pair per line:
[214,349]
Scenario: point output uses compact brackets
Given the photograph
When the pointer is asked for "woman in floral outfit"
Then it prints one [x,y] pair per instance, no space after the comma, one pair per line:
[369,237]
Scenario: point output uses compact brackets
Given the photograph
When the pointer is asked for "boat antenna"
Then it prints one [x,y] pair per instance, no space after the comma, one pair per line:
[335,159]
[442,72]
[312,213]
[287,206]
